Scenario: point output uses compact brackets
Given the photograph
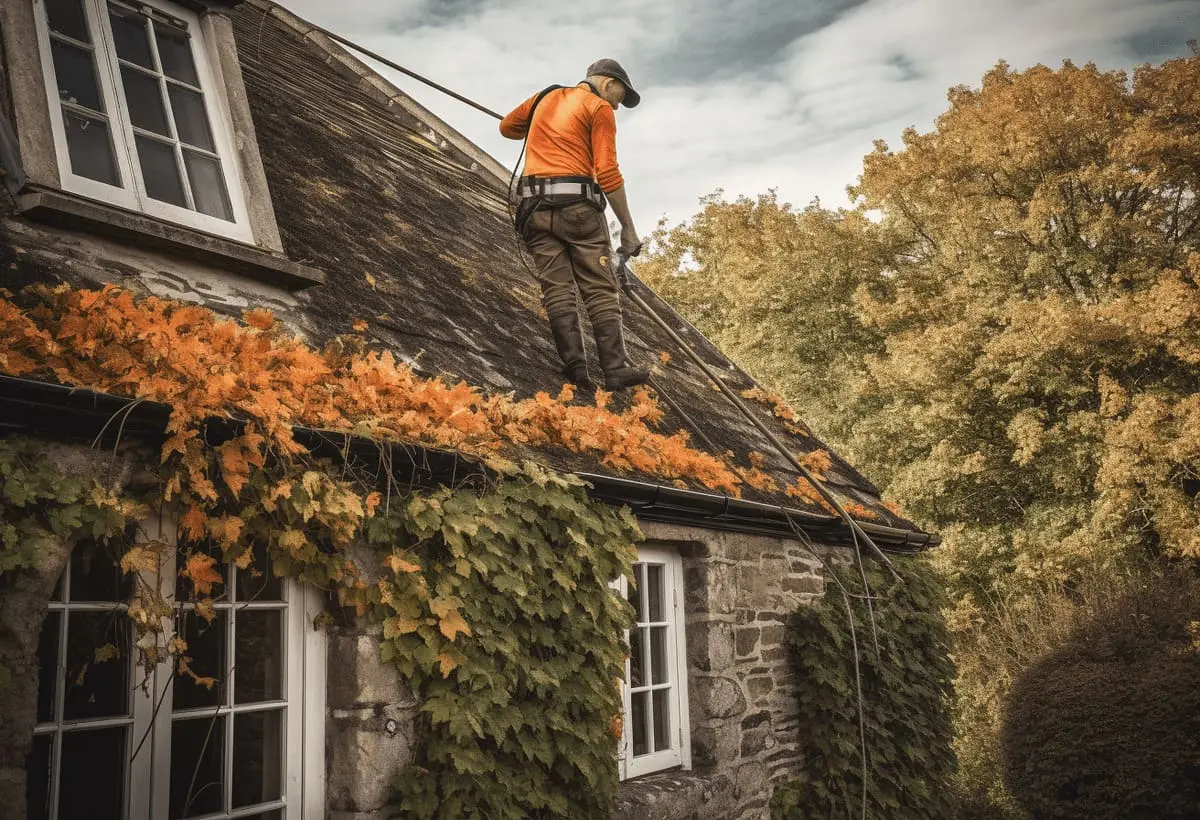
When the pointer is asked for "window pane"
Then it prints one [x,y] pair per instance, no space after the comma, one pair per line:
[662,720]
[48,667]
[160,171]
[257,761]
[129,33]
[175,51]
[90,148]
[75,73]
[654,591]
[658,655]
[258,664]
[37,782]
[93,775]
[96,573]
[97,686]
[197,768]
[637,676]
[208,186]
[191,120]
[66,17]
[208,652]
[258,582]
[635,591]
[143,95]
[640,742]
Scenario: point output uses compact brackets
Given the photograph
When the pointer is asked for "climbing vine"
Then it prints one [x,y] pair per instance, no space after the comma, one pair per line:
[905,673]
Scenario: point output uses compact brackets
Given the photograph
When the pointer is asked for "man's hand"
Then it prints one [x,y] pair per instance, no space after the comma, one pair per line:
[631,245]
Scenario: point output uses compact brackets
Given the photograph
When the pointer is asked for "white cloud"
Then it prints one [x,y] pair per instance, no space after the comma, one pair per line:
[730,102]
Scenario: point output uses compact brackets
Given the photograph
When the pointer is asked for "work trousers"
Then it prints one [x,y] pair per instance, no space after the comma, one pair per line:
[570,248]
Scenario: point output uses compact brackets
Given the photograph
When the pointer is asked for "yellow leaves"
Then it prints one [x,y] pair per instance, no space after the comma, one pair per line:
[193,523]
[401,566]
[817,462]
[202,570]
[452,623]
[664,357]
[447,663]
[144,557]
[359,326]
[400,625]
[293,541]
[205,609]
[226,529]
[106,653]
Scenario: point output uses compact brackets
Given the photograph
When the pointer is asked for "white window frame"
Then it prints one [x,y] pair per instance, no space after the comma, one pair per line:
[132,194]
[679,754]
[147,778]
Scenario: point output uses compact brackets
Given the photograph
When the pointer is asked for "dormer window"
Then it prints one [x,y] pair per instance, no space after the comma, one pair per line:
[140,121]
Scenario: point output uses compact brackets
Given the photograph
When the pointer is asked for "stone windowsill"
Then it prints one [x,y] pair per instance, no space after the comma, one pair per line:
[673,795]
[64,210]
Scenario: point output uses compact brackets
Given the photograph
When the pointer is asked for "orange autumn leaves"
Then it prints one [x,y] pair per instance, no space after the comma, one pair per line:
[205,366]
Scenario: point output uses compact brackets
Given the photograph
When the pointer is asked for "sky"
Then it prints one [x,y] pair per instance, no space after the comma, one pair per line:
[744,95]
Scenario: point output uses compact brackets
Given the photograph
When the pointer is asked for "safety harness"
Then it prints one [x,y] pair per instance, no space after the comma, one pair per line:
[550,193]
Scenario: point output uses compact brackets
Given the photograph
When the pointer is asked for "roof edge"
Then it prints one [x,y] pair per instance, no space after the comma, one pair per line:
[376,83]
[31,406]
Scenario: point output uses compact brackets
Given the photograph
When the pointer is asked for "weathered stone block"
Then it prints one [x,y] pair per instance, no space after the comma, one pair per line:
[364,749]
[750,780]
[809,584]
[772,636]
[710,645]
[754,741]
[357,674]
[746,640]
[759,686]
[717,697]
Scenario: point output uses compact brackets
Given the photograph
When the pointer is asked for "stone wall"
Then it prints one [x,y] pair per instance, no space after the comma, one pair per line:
[744,720]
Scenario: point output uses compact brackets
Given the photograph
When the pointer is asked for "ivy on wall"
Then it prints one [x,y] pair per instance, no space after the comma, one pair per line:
[906,684]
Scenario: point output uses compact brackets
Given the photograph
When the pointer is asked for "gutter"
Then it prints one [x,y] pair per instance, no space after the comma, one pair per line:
[29,406]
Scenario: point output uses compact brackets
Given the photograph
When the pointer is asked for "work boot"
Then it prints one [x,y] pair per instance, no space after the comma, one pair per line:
[610,347]
[568,340]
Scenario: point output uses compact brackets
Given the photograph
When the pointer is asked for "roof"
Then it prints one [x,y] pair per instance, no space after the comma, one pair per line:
[409,221]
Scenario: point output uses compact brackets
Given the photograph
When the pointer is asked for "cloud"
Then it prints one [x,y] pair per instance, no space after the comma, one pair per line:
[745,95]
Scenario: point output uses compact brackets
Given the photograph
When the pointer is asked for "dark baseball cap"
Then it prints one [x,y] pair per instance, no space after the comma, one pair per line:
[611,68]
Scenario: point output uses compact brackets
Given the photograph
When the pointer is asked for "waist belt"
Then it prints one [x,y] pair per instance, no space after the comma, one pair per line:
[560,186]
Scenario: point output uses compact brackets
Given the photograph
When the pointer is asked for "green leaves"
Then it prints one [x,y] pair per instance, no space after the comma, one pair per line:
[906,689]
[518,727]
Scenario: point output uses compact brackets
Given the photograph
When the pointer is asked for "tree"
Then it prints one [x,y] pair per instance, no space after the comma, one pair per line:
[1004,332]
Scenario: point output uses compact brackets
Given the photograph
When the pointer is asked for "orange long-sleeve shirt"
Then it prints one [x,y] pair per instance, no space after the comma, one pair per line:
[574,134]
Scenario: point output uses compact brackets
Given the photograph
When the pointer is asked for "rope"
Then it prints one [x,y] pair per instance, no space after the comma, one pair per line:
[856,530]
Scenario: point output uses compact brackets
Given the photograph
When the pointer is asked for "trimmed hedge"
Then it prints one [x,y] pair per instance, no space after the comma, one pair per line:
[1108,725]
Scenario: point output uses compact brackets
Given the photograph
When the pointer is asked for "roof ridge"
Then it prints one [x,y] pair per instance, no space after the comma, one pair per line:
[375,83]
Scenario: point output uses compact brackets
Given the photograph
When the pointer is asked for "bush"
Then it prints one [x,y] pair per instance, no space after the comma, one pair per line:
[1108,724]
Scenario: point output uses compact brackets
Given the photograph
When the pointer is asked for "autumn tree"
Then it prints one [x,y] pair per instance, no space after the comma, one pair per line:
[1004,331]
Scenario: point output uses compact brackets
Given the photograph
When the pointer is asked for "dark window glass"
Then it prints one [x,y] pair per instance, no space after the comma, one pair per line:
[129,34]
[48,667]
[97,685]
[258,656]
[197,766]
[90,148]
[191,120]
[637,676]
[93,775]
[37,778]
[143,94]
[207,648]
[258,582]
[96,573]
[212,198]
[160,171]
[175,51]
[635,592]
[75,74]
[67,17]
[654,591]
[641,743]
[257,758]
[662,720]
[658,654]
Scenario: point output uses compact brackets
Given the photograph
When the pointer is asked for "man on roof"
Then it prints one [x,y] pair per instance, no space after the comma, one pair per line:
[570,171]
